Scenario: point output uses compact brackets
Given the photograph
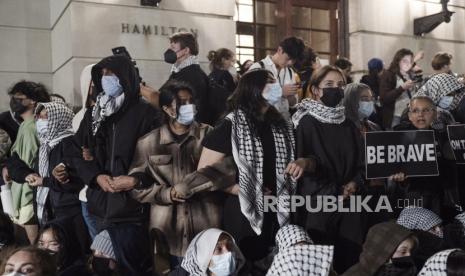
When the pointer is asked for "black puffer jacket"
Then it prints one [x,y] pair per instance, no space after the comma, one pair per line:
[115,142]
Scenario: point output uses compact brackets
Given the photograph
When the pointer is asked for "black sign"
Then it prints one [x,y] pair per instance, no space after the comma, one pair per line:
[410,152]
[457,141]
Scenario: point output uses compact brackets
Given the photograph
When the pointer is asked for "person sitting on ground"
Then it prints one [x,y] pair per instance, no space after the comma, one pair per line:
[211,252]
[297,255]
[387,251]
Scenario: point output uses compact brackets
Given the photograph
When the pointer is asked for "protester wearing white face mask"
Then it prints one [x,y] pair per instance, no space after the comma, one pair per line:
[212,252]
[359,106]
[174,151]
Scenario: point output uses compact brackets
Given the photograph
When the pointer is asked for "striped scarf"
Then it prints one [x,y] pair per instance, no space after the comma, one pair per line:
[248,154]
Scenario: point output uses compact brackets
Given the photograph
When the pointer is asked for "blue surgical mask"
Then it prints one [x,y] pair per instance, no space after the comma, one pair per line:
[186,114]
[223,265]
[111,86]
[272,93]
[42,126]
[445,102]
[365,109]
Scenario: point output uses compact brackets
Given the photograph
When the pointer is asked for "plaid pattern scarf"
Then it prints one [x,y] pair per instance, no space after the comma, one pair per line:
[187,62]
[324,114]
[60,119]
[437,264]
[248,154]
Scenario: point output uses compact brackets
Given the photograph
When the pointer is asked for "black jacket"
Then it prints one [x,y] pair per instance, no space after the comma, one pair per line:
[132,249]
[8,124]
[221,87]
[115,142]
[63,198]
[196,77]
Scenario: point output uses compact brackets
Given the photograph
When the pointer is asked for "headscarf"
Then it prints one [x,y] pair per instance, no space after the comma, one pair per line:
[201,249]
[437,264]
[300,259]
[441,85]
[417,218]
[324,114]
[60,119]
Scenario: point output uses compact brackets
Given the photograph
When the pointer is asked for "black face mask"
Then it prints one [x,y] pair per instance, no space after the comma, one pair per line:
[101,266]
[17,106]
[170,56]
[403,266]
[332,96]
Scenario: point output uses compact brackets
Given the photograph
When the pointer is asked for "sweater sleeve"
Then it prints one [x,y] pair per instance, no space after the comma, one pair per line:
[387,88]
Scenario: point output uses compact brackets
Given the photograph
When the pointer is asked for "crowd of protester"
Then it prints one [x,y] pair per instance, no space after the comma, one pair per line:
[172,181]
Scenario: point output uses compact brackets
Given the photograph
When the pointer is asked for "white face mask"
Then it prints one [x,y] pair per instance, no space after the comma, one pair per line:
[445,102]
[223,265]
[15,273]
[272,93]
[365,109]
[186,114]
[42,126]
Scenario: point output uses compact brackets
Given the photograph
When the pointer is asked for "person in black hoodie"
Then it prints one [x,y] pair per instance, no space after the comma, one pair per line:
[439,193]
[182,53]
[59,239]
[122,250]
[119,118]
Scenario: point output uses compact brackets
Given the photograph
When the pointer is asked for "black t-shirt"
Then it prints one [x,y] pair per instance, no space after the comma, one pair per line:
[219,139]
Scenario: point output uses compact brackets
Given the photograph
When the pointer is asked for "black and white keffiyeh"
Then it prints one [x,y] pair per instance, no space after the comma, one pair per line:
[461,217]
[417,218]
[441,85]
[324,114]
[291,234]
[201,249]
[60,119]
[187,62]
[436,265]
[248,155]
[298,256]
[104,107]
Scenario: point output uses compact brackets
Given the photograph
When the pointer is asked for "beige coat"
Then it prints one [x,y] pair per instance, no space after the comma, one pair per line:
[161,157]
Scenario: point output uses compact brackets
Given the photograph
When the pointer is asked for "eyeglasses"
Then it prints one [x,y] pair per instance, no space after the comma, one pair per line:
[417,111]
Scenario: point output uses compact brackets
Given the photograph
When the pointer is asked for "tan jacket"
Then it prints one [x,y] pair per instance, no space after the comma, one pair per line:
[160,156]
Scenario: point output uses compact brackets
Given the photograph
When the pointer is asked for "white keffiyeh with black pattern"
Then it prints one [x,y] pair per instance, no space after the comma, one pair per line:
[441,85]
[324,114]
[248,155]
[60,119]
[298,256]
[437,264]
[104,107]
[417,218]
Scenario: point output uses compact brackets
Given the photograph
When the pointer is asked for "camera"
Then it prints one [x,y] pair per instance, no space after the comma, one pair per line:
[122,51]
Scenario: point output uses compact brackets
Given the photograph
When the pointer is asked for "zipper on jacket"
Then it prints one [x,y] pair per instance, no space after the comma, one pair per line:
[112,148]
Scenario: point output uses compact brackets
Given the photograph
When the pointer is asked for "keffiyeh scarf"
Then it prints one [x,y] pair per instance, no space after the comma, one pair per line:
[248,155]
[291,234]
[300,259]
[60,119]
[417,218]
[324,114]
[104,107]
[437,264]
[441,85]
[187,62]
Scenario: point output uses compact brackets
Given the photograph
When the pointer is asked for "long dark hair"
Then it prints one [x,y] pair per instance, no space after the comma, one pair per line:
[456,263]
[248,98]
[400,54]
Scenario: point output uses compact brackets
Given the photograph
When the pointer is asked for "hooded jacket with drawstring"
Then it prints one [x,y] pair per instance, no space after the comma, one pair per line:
[381,242]
[115,142]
